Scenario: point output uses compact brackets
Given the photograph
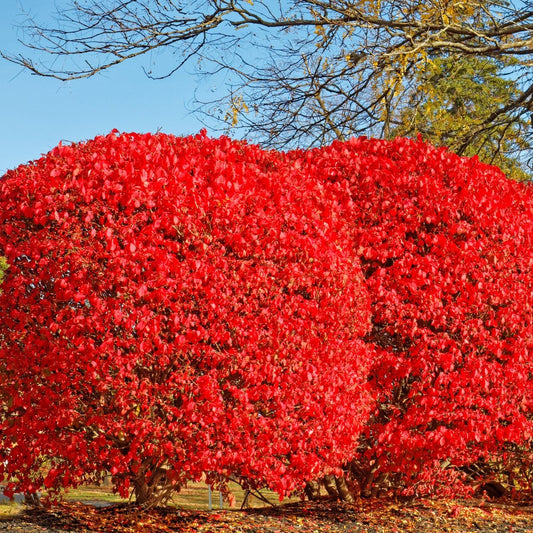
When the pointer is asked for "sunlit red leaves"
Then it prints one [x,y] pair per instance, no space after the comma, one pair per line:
[446,249]
[177,303]
[198,304]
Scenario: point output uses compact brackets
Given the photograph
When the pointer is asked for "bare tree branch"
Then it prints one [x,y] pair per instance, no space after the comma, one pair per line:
[308,70]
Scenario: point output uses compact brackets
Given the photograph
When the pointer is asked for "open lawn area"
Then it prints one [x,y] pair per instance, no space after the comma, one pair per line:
[193,497]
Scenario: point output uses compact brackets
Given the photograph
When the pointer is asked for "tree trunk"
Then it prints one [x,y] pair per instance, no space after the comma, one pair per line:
[344,491]
[312,490]
[142,491]
[32,499]
[331,486]
[152,491]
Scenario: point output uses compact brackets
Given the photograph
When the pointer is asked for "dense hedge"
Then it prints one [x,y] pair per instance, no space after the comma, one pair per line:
[447,250]
[176,308]
[179,308]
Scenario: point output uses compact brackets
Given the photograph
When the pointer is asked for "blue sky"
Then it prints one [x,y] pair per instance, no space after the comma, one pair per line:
[36,113]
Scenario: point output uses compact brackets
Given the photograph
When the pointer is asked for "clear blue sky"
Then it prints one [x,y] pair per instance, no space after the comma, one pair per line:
[36,113]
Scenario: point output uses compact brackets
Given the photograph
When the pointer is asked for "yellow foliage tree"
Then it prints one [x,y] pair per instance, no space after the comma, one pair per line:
[457,102]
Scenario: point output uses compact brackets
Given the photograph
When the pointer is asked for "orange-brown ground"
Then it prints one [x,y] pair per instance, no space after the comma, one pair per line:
[375,516]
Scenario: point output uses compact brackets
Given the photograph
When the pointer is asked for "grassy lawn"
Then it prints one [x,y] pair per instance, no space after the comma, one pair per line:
[9,509]
[194,496]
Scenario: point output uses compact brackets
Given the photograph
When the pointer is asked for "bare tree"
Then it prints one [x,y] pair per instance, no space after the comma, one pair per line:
[299,72]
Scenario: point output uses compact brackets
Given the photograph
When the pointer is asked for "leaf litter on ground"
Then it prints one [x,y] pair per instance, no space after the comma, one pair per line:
[325,516]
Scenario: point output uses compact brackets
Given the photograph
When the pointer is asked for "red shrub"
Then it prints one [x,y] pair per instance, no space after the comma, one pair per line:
[179,305]
[194,306]
[447,250]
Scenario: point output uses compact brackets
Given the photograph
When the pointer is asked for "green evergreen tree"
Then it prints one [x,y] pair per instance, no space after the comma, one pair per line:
[460,103]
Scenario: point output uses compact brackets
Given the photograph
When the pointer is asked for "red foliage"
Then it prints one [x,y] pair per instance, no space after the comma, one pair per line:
[447,250]
[178,303]
[196,305]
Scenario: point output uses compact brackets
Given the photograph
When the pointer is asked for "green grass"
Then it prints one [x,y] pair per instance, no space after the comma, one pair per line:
[90,493]
[9,510]
[194,496]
